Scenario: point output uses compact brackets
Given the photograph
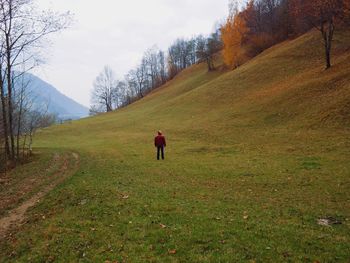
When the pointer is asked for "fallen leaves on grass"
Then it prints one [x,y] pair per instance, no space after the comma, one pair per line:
[245,216]
[172,251]
[162,226]
[328,221]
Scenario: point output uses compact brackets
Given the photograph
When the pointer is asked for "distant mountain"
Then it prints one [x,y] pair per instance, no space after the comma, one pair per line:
[45,94]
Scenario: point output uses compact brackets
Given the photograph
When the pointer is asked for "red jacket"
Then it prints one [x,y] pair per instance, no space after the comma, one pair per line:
[159,141]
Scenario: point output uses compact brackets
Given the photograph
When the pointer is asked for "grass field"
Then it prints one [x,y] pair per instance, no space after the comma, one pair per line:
[255,157]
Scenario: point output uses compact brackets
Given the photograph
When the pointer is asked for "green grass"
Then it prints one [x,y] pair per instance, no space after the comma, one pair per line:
[255,157]
[29,178]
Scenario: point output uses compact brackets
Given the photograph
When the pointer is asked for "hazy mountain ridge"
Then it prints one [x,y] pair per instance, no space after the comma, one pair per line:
[45,94]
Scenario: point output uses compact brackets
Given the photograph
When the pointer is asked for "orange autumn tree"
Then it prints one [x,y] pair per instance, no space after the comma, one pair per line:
[233,34]
[325,15]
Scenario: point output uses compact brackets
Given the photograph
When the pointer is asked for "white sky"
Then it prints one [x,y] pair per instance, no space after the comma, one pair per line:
[116,33]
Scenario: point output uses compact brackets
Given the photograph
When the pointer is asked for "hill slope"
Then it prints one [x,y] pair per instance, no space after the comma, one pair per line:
[255,157]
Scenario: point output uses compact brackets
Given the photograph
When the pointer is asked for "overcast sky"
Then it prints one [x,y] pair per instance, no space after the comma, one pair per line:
[116,33]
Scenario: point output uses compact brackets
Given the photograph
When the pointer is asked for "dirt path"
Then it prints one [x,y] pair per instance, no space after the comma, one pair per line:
[17,215]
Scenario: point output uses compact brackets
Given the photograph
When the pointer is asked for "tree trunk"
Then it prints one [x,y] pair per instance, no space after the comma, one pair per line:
[10,114]
[4,114]
[9,94]
[327,34]
[210,64]
[328,58]
[140,90]
[19,121]
[24,145]
[30,144]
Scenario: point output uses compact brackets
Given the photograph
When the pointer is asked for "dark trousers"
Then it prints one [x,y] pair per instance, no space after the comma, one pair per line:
[160,149]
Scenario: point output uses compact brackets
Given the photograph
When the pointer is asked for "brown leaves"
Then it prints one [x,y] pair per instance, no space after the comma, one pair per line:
[328,221]
[320,11]
[245,215]
[172,251]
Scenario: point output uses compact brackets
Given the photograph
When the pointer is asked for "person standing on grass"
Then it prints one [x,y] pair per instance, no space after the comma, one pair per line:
[159,142]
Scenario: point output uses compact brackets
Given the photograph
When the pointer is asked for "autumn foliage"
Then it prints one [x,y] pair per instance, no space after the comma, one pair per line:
[263,23]
[233,36]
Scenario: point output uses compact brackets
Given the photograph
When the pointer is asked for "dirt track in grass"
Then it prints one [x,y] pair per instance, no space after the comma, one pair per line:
[17,216]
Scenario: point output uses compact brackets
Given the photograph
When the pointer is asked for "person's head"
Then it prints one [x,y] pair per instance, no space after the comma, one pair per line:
[159,132]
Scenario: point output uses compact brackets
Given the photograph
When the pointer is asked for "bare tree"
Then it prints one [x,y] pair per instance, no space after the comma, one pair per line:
[22,32]
[34,120]
[22,105]
[184,53]
[153,67]
[105,90]
[206,49]
[131,88]
[162,67]
[3,95]
[121,93]
[139,76]
[2,145]
[325,16]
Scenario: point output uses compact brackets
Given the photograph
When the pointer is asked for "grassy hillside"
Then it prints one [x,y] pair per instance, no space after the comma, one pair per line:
[255,157]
